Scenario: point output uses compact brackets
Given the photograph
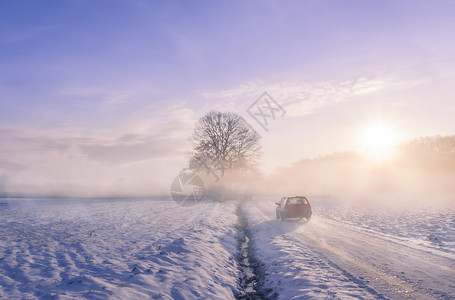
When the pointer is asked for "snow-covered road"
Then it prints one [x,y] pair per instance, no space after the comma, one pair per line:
[328,258]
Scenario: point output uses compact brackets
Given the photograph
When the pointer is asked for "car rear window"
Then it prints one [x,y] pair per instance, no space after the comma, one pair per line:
[297,200]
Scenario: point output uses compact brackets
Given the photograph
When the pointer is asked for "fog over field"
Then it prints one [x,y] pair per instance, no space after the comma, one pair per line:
[410,177]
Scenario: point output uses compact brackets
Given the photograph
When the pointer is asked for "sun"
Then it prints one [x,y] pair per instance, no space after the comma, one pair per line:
[378,140]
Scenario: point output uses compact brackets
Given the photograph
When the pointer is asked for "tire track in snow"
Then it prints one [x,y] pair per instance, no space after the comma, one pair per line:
[350,270]
[324,262]
[362,259]
[385,265]
[294,270]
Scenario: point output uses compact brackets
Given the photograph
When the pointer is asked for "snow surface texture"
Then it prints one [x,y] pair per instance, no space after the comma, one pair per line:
[425,227]
[150,249]
[350,252]
[128,249]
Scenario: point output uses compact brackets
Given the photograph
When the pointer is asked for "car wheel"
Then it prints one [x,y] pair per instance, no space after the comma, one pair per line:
[277,216]
[282,218]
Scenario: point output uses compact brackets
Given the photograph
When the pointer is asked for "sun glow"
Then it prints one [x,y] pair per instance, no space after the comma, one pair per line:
[378,140]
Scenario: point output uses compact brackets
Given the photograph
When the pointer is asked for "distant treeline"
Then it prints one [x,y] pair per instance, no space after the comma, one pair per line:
[420,167]
[432,153]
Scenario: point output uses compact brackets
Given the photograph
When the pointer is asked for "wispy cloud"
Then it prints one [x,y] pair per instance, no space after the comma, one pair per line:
[43,162]
[11,166]
[126,148]
[107,98]
[131,148]
[300,98]
[29,33]
[85,91]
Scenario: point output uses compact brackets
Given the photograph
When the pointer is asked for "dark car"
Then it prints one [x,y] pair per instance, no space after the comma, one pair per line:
[295,207]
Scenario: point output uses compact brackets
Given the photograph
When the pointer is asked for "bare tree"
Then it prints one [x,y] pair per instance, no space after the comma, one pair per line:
[224,141]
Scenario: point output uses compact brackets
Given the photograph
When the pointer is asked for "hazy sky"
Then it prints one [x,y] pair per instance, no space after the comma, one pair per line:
[100,97]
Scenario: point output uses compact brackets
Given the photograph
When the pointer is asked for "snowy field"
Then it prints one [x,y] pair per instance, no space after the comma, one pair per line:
[121,249]
[155,249]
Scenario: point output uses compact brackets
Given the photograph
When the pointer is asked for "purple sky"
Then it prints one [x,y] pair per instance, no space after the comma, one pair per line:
[101,96]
